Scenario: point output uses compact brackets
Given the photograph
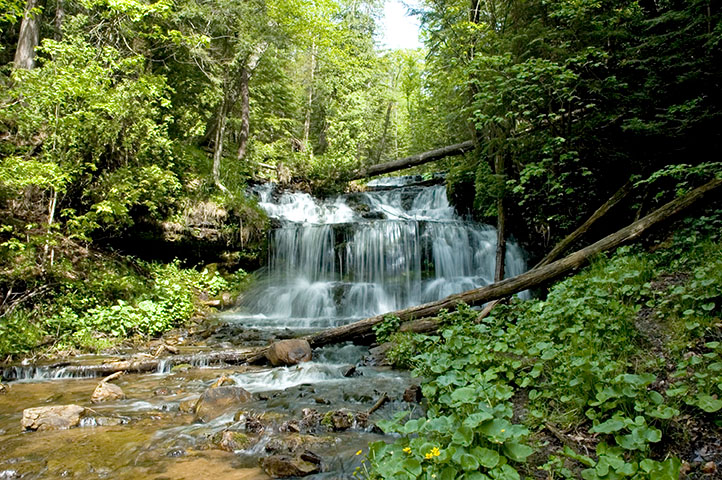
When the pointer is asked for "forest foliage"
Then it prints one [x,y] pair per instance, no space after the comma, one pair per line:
[128,119]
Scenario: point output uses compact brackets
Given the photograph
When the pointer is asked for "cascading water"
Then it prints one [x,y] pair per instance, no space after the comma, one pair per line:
[365,254]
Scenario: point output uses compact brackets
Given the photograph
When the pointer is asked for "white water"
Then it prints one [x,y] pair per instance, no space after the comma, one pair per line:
[366,254]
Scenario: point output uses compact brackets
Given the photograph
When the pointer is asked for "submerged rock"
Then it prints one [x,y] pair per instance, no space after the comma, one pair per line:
[289,352]
[216,401]
[58,417]
[107,391]
[282,466]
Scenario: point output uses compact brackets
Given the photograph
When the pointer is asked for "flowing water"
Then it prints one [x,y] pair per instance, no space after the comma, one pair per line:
[330,262]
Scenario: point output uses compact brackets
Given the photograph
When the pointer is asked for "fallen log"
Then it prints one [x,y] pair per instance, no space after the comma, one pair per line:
[413,160]
[532,278]
[139,364]
[560,247]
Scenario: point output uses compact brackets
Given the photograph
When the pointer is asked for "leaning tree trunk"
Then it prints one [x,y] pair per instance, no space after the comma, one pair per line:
[532,278]
[28,38]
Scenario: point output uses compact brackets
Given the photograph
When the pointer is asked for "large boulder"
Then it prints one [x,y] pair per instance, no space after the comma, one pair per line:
[282,466]
[107,391]
[216,401]
[289,352]
[58,417]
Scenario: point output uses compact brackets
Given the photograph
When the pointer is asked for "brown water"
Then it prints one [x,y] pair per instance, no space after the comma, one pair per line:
[154,439]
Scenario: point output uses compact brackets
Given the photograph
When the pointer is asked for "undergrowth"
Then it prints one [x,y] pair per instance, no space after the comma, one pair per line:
[624,352]
[109,303]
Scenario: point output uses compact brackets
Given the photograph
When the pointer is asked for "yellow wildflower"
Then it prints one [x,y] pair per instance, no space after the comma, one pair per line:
[359,452]
[407,450]
[434,452]
[503,430]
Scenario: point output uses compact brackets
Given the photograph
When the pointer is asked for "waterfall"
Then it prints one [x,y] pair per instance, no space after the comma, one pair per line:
[364,254]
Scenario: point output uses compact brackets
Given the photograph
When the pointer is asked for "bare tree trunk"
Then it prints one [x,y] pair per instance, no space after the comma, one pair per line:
[59,18]
[382,140]
[245,113]
[309,105]
[218,147]
[244,88]
[414,160]
[28,38]
[499,165]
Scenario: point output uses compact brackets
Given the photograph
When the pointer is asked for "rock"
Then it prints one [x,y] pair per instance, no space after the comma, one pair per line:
[377,356]
[188,406]
[223,380]
[289,352]
[248,422]
[338,420]
[282,466]
[58,417]
[349,371]
[296,443]
[213,303]
[216,401]
[3,388]
[230,441]
[413,394]
[107,391]
[226,299]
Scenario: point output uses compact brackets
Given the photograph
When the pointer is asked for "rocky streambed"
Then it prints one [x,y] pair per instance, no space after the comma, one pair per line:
[196,419]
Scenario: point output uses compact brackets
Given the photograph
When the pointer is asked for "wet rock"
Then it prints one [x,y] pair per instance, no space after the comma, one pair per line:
[181,367]
[377,356]
[296,444]
[3,388]
[162,392]
[227,299]
[283,466]
[188,406]
[222,381]
[289,352]
[248,422]
[338,420]
[413,394]
[107,391]
[58,417]
[230,441]
[349,371]
[216,401]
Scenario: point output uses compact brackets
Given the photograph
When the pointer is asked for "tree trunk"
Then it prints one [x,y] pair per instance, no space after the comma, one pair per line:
[245,78]
[560,247]
[382,140]
[244,81]
[28,38]
[499,165]
[532,278]
[59,18]
[218,147]
[309,105]
[414,160]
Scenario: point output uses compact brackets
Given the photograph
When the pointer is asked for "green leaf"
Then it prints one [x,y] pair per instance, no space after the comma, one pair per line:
[476,419]
[468,462]
[708,403]
[464,395]
[517,451]
[463,436]
[610,426]
[488,458]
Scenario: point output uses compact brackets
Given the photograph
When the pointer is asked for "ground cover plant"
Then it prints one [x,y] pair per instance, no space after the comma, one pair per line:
[616,374]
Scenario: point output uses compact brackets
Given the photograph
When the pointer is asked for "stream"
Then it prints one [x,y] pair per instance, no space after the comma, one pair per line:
[330,262]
